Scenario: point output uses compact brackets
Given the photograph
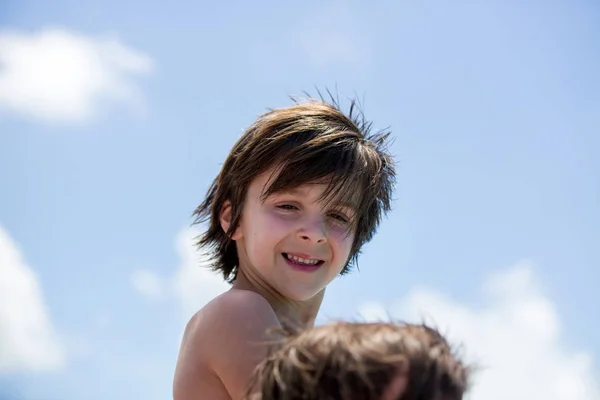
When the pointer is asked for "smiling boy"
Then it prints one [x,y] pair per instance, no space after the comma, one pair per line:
[299,194]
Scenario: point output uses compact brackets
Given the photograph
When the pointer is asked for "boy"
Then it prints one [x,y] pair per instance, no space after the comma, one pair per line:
[299,194]
[359,361]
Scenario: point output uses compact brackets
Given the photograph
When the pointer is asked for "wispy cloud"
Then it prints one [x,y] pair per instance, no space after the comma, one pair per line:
[193,284]
[330,37]
[515,337]
[27,338]
[147,283]
[56,75]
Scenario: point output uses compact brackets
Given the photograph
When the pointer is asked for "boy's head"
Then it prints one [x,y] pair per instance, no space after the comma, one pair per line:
[294,147]
[361,361]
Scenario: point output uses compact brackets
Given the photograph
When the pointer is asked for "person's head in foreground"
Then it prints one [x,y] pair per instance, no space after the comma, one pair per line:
[299,194]
[361,361]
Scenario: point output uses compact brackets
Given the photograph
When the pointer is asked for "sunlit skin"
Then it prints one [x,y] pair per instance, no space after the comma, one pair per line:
[293,223]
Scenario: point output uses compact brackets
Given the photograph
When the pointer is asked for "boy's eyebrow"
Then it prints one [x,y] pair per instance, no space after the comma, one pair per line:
[293,191]
[346,204]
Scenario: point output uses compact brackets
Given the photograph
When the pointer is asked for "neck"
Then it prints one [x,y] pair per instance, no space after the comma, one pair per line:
[300,314]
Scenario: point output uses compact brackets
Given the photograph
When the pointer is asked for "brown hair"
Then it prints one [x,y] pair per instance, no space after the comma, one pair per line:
[352,361]
[308,142]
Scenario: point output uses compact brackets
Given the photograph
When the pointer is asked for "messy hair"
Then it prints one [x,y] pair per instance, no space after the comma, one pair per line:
[352,361]
[311,141]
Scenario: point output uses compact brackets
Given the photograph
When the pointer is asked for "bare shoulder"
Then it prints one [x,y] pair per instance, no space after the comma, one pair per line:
[237,303]
[237,322]
[225,341]
[234,314]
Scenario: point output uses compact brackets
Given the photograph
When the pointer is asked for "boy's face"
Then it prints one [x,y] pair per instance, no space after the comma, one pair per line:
[292,241]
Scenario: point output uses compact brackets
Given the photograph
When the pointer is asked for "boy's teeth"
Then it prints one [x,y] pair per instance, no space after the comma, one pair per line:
[301,260]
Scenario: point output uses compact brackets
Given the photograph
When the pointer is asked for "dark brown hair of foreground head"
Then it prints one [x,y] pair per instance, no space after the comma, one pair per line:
[308,142]
[357,361]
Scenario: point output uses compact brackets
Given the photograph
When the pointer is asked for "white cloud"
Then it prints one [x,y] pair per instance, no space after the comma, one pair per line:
[60,76]
[194,284]
[27,338]
[515,337]
[147,283]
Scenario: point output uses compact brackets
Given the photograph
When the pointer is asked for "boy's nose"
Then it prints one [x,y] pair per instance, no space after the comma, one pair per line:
[314,232]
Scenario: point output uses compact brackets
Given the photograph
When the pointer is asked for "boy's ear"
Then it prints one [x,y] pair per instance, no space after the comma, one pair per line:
[225,220]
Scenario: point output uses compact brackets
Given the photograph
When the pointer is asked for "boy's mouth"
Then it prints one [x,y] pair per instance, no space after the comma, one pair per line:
[300,261]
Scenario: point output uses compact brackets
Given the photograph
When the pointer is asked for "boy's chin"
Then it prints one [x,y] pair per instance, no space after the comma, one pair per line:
[303,295]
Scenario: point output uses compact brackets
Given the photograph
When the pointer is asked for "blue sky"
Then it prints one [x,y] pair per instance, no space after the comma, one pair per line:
[496,222]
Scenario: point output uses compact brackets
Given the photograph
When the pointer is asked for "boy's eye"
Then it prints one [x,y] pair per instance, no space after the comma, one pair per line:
[287,207]
[339,217]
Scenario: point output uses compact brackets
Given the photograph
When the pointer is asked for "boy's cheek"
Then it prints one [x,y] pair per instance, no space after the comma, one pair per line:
[267,231]
[343,237]
[272,224]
